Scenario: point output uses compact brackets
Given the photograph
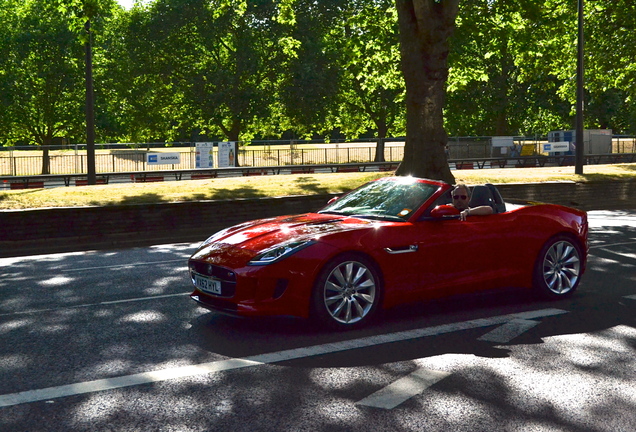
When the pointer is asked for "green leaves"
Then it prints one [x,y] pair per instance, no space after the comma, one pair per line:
[173,69]
[42,74]
[520,59]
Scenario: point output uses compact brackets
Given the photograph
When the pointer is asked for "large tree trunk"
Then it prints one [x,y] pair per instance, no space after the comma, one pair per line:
[46,159]
[383,129]
[233,134]
[379,150]
[425,29]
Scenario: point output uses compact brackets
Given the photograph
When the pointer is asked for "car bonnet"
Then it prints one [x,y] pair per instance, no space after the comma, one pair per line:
[262,234]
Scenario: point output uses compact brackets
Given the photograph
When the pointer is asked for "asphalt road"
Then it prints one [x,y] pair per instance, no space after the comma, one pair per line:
[110,340]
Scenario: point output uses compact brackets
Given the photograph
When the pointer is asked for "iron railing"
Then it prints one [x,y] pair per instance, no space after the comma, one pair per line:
[112,158]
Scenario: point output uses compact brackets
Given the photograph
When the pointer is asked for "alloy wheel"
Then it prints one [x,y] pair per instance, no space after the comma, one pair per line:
[561,267]
[349,292]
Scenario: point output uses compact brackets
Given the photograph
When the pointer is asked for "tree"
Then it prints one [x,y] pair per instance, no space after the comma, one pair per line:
[372,86]
[231,85]
[513,66]
[43,70]
[310,71]
[609,65]
[425,29]
[507,68]
[216,58]
[136,68]
[7,22]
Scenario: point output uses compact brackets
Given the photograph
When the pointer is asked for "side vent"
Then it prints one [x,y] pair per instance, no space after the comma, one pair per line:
[281,286]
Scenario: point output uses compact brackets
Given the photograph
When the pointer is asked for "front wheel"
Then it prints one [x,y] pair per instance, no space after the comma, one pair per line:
[558,268]
[347,292]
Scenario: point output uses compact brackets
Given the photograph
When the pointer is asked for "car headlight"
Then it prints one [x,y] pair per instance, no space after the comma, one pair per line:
[280,252]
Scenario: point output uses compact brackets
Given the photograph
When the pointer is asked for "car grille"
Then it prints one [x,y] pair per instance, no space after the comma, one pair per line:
[227,277]
[214,271]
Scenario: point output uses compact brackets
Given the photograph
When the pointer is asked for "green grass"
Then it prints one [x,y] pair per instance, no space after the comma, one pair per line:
[267,186]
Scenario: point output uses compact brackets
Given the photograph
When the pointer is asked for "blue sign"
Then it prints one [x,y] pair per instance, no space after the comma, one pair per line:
[152,158]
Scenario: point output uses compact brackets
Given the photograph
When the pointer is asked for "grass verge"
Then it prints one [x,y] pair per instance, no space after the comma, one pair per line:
[267,186]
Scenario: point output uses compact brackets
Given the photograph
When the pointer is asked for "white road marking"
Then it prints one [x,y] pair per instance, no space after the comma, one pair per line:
[633,297]
[622,254]
[508,331]
[403,389]
[37,311]
[605,245]
[145,263]
[292,354]
[114,266]
[120,382]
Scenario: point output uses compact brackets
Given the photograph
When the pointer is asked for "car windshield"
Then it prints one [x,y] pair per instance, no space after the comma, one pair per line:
[384,199]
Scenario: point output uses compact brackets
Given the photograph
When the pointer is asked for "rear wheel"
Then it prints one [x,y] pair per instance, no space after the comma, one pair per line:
[558,267]
[347,292]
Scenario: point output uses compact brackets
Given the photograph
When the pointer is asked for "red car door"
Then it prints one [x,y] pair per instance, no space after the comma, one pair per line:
[465,256]
[398,251]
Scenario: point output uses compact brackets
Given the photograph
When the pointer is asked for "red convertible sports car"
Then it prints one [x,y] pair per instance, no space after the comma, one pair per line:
[391,241]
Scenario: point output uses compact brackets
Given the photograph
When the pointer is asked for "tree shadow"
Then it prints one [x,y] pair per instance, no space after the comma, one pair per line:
[213,194]
[311,185]
[146,198]
[599,177]
[629,167]
[242,192]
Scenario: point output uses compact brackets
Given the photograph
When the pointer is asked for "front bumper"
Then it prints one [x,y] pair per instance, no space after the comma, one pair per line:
[279,289]
[257,296]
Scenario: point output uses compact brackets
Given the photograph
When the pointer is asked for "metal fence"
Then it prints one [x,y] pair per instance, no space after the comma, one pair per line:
[26,161]
[21,162]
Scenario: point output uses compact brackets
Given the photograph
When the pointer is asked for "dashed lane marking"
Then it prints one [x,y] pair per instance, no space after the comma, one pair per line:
[508,331]
[105,303]
[606,245]
[403,389]
[230,364]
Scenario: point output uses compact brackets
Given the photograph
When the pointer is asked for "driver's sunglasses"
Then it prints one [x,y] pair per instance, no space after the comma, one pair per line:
[459,196]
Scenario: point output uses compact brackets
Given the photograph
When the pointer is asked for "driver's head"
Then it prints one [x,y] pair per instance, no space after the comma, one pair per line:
[461,196]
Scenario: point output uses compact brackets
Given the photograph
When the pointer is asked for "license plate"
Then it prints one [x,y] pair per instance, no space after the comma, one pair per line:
[207,285]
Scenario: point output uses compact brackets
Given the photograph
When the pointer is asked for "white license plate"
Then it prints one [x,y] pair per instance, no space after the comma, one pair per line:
[207,285]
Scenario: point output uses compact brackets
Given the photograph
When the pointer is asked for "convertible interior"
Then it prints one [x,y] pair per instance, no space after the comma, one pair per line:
[481,195]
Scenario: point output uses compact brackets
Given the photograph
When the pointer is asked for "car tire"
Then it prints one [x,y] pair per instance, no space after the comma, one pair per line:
[347,293]
[557,271]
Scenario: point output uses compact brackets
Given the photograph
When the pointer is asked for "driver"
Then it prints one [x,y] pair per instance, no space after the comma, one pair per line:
[461,198]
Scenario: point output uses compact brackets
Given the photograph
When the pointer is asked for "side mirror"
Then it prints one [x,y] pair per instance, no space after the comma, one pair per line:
[444,211]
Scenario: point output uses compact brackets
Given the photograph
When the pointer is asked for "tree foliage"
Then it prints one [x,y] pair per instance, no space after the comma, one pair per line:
[611,71]
[185,70]
[41,75]
[371,97]
[513,67]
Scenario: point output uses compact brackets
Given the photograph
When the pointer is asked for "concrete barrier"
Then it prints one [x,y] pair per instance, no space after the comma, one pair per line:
[51,230]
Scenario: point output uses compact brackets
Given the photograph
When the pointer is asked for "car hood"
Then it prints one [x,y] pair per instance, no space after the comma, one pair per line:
[259,235]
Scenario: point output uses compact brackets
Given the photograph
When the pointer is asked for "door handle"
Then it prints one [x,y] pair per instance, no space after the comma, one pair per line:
[401,250]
